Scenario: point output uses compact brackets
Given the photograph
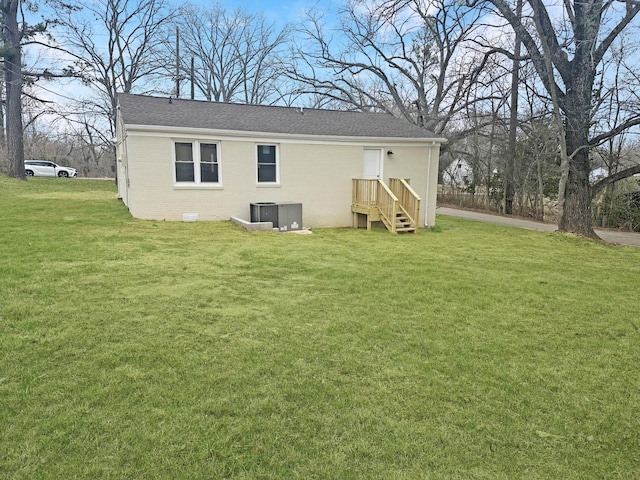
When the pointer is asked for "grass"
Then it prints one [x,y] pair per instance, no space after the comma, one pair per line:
[149,350]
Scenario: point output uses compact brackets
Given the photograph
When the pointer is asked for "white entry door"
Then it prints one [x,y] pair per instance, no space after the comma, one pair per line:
[372,163]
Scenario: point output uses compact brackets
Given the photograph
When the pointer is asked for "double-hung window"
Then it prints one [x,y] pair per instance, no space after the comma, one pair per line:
[267,164]
[196,163]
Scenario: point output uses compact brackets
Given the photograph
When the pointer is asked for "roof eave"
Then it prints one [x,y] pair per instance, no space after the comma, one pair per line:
[292,136]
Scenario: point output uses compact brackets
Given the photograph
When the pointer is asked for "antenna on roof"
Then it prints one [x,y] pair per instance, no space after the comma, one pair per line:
[301,111]
[170,102]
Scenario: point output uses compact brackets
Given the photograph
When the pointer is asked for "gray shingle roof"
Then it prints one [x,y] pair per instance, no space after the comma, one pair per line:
[157,111]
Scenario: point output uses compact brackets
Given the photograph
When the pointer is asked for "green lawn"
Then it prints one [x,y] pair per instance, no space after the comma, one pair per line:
[137,349]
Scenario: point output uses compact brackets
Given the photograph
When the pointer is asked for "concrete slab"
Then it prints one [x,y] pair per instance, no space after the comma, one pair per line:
[253,227]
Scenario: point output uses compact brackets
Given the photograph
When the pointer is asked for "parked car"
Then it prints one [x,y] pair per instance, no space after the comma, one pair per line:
[43,168]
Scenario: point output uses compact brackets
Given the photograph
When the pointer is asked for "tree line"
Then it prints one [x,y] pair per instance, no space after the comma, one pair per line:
[533,96]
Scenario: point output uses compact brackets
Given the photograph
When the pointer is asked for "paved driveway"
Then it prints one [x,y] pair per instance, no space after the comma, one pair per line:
[610,236]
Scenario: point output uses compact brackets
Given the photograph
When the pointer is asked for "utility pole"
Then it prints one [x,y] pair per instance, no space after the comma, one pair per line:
[193,79]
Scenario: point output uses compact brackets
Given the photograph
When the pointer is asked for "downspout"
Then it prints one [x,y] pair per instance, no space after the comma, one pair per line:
[426,203]
[122,158]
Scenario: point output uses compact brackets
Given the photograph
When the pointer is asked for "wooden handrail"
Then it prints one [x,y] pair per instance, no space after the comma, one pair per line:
[408,198]
[388,202]
[364,192]
[388,205]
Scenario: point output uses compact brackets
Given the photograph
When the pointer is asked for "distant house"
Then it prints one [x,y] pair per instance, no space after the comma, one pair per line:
[213,160]
[458,173]
[598,174]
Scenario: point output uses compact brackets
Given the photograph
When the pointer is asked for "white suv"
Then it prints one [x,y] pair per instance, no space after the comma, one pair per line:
[42,168]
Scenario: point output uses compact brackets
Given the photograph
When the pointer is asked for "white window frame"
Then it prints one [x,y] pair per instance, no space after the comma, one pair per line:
[277,148]
[195,148]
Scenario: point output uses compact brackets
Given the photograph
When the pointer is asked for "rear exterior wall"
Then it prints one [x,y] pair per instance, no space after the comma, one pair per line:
[316,174]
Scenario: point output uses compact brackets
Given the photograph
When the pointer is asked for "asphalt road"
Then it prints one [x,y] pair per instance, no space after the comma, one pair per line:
[609,236]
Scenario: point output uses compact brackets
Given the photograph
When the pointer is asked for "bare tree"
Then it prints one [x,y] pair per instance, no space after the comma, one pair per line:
[235,54]
[618,99]
[405,57]
[484,130]
[513,123]
[14,34]
[113,46]
[12,53]
[567,57]
[68,144]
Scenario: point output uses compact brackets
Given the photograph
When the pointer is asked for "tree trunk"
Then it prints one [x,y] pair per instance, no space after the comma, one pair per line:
[577,215]
[3,138]
[540,193]
[13,84]
[510,160]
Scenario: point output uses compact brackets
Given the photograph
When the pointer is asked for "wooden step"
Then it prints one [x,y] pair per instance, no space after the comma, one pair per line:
[403,224]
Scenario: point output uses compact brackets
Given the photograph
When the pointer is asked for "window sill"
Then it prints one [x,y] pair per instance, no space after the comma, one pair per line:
[194,186]
[268,185]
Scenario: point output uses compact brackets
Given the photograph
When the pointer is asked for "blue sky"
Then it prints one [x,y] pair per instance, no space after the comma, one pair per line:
[65,91]
[283,11]
[278,11]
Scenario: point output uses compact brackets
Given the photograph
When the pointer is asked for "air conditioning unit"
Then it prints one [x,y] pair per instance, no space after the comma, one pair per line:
[284,216]
[264,212]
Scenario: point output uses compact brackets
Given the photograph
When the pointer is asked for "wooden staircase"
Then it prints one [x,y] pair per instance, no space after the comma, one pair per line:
[397,206]
[404,223]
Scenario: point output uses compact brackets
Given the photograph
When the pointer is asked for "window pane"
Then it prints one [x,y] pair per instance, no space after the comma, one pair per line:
[184,172]
[184,162]
[208,162]
[208,153]
[267,154]
[266,173]
[184,152]
[209,172]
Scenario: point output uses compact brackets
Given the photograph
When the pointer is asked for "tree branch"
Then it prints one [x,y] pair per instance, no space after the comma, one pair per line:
[621,175]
